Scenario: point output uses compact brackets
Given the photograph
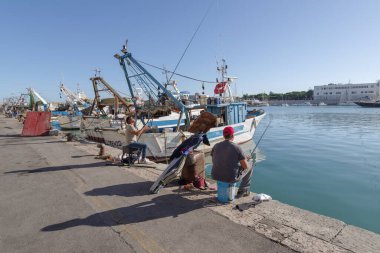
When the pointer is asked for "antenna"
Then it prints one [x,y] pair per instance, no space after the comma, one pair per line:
[124,50]
[62,78]
[166,74]
[97,71]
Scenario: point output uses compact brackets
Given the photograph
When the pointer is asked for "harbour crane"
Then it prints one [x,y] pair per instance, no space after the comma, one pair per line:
[72,97]
[33,92]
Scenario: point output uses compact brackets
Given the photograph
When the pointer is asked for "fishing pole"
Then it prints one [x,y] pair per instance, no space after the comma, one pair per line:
[262,135]
[253,155]
[146,124]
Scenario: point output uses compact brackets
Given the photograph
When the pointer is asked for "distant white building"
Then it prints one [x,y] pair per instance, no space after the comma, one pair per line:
[345,93]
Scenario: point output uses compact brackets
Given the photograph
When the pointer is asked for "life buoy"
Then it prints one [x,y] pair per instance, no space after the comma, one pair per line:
[220,88]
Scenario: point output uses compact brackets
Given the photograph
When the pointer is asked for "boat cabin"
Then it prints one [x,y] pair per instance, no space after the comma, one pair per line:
[228,114]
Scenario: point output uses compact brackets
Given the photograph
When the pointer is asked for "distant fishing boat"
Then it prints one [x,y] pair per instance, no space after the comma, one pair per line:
[75,102]
[372,103]
[256,102]
[69,122]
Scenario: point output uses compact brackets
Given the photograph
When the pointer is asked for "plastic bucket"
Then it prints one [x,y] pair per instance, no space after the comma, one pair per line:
[226,191]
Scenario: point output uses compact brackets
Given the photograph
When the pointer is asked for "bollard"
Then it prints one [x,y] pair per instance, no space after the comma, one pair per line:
[101,149]
[69,137]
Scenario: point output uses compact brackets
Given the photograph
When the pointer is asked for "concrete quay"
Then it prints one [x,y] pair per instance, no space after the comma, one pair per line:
[55,197]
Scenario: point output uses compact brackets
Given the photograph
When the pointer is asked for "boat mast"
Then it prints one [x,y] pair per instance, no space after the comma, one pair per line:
[99,81]
[143,77]
[223,72]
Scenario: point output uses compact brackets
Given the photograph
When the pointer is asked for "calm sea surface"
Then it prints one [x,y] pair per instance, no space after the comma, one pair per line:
[325,159]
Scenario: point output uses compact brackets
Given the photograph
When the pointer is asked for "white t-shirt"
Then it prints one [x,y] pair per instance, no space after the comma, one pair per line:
[129,135]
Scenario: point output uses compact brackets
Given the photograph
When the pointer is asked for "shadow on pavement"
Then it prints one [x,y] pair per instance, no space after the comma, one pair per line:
[80,156]
[10,135]
[58,168]
[31,143]
[171,205]
[125,190]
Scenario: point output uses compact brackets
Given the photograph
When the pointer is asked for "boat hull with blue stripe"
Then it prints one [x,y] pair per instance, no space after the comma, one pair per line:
[161,144]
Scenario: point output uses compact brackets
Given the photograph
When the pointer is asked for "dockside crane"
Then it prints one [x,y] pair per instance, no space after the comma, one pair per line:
[33,93]
[72,97]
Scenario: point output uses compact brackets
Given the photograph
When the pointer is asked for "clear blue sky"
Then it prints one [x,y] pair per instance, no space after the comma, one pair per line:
[277,46]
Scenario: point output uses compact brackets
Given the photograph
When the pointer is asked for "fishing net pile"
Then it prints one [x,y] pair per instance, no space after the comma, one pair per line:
[203,123]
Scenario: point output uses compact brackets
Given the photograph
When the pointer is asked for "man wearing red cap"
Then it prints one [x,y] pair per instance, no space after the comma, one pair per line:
[226,157]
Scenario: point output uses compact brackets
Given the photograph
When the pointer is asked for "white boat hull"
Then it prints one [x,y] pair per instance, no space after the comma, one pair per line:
[69,122]
[160,146]
[92,127]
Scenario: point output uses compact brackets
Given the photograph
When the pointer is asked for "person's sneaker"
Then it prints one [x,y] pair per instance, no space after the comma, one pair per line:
[242,194]
[145,161]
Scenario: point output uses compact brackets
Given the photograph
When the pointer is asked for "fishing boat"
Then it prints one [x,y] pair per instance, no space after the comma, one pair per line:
[106,117]
[256,102]
[254,113]
[104,113]
[70,119]
[172,129]
[370,103]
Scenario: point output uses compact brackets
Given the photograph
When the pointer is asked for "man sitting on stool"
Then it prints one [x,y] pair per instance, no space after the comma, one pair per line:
[130,137]
[225,168]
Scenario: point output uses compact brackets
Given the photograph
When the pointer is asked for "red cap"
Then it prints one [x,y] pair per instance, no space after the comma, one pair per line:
[228,131]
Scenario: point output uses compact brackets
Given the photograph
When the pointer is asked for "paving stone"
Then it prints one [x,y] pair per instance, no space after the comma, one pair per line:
[302,242]
[358,240]
[311,223]
[273,230]
[245,218]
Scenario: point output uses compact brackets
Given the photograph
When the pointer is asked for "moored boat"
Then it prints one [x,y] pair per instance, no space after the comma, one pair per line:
[162,143]
[69,122]
[371,103]
[70,118]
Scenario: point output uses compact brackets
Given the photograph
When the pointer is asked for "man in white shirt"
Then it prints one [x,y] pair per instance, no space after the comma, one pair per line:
[131,133]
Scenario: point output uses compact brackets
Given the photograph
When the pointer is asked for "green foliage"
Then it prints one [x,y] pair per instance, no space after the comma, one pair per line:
[294,95]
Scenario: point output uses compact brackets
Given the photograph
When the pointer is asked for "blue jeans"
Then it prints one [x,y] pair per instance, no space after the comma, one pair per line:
[139,145]
[245,178]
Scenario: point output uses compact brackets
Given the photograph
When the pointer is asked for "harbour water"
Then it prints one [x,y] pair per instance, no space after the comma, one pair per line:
[324,159]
